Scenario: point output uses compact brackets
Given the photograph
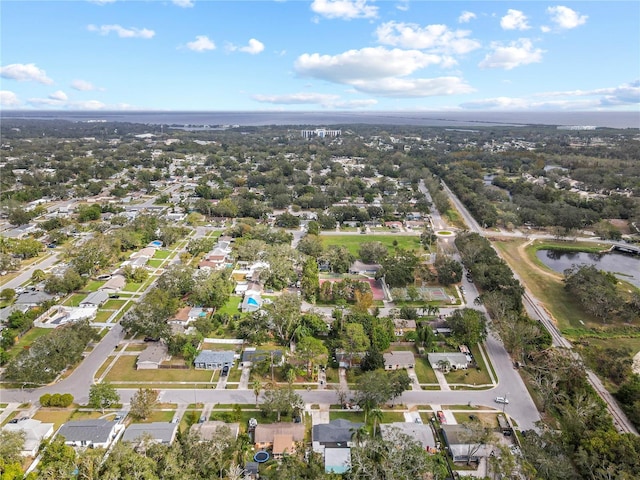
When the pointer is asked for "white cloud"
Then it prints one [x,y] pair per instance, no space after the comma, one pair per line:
[254,47]
[627,94]
[364,64]
[344,9]
[403,5]
[25,72]
[517,53]
[201,44]
[434,37]
[83,86]
[466,17]
[102,2]
[566,18]
[414,87]
[122,32]
[59,96]
[183,3]
[88,105]
[379,71]
[8,99]
[514,20]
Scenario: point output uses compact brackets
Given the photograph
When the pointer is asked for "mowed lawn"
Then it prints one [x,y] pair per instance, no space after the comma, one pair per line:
[124,370]
[353,242]
[548,288]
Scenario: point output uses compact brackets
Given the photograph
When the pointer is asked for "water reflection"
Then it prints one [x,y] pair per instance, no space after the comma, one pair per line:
[624,266]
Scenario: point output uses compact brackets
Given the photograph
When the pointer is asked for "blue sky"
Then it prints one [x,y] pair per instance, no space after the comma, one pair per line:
[299,55]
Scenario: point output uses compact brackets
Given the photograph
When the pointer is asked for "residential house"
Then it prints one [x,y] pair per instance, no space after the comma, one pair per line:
[251,303]
[152,356]
[211,429]
[398,360]
[422,433]
[335,434]
[159,432]
[348,360]
[213,360]
[401,326]
[34,433]
[95,299]
[95,433]
[449,361]
[279,437]
[460,449]
[114,285]
[181,317]
[32,298]
[251,356]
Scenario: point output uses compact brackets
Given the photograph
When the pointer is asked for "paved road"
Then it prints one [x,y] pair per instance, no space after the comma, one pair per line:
[50,257]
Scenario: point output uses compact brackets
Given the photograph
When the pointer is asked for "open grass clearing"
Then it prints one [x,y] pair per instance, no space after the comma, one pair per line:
[353,242]
[546,285]
[26,340]
[232,306]
[102,316]
[357,417]
[155,263]
[161,254]
[74,300]
[113,304]
[57,416]
[132,287]
[423,370]
[124,370]
[489,420]
[158,416]
[470,376]
[93,286]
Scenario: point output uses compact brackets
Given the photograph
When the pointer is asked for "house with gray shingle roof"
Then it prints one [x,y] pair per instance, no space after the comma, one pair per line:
[152,356]
[398,360]
[335,434]
[96,433]
[160,432]
[95,299]
[212,359]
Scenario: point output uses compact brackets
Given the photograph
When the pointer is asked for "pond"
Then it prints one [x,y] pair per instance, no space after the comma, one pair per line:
[625,266]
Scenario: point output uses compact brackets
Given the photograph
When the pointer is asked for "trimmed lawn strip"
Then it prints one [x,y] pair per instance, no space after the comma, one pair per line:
[102,316]
[155,263]
[113,304]
[74,300]
[93,286]
[158,416]
[232,306]
[124,371]
[357,417]
[57,416]
[132,287]
[353,242]
[424,372]
[162,254]
[27,339]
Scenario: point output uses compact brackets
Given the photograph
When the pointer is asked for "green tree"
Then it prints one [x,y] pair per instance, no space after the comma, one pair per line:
[283,316]
[310,282]
[143,403]
[354,340]
[468,326]
[312,351]
[398,269]
[103,395]
[339,258]
[7,294]
[372,252]
[11,444]
[449,271]
[281,401]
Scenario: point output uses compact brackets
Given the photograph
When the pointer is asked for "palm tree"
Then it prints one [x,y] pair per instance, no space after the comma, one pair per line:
[376,415]
[358,435]
[257,386]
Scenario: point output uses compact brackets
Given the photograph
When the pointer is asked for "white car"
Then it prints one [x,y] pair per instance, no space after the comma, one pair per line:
[501,400]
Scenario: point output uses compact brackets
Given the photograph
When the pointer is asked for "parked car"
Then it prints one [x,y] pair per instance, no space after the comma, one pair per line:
[502,400]
[225,371]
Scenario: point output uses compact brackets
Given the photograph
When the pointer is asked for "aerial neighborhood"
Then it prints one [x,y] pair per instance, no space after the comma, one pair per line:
[318,301]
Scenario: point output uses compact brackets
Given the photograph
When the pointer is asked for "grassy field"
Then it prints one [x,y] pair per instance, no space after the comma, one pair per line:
[162,254]
[546,286]
[124,371]
[424,372]
[113,304]
[93,286]
[155,263]
[57,416]
[26,340]
[74,300]
[102,316]
[231,307]
[132,287]
[353,242]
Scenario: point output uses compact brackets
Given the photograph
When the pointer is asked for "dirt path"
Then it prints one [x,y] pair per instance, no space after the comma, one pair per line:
[522,253]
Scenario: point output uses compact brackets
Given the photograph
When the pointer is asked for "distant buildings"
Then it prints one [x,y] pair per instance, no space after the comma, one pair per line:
[321,133]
